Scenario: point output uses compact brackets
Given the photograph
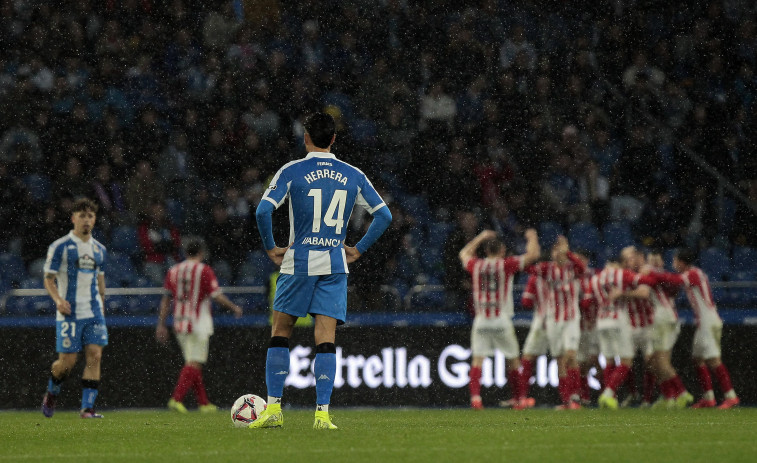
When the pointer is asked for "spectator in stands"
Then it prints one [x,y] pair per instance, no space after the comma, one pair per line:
[160,242]
[458,286]
[226,242]
[109,196]
[143,189]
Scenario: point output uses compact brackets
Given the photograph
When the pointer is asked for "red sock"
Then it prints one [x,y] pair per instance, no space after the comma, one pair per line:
[513,379]
[585,389]
[564,389]
[199,387]
[475,381]
[183,384]
[619,375]
[607,374]
[724,379]
[704,378]
[667,388]
[680,388]
[527,370]
[574,374]
[649,386]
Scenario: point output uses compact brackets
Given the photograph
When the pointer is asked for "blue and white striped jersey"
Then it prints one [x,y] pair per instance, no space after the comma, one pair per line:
[322,192]
[76,265]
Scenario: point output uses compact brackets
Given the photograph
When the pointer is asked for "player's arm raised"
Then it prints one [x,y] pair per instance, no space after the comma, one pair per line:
[533,250]
[469,251]
[51,286]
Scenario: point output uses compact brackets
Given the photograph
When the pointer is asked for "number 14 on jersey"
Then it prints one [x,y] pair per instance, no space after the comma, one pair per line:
[336,207]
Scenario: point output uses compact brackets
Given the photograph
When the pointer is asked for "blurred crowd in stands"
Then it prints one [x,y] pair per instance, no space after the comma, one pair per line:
[572,117]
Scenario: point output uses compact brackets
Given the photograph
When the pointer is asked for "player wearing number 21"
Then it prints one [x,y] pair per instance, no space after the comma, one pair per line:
[75,279]
[322,191]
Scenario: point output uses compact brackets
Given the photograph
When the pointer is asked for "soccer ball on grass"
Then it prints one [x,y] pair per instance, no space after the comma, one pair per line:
[246,409]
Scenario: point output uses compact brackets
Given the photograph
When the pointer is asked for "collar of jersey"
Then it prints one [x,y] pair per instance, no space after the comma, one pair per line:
[318,154]
[76,238]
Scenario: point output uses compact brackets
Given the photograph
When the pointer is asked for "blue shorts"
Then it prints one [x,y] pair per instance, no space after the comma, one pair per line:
[300,295]
[73,335]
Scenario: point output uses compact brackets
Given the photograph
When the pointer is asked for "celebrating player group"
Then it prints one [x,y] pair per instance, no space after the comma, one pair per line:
[579,313]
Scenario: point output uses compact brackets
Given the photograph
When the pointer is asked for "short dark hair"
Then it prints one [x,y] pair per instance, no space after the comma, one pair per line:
[492,247]
[194,246]
[83,205]
[686,255]
[321,128]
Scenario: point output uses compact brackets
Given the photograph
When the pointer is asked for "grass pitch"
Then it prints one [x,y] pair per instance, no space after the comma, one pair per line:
[388,435]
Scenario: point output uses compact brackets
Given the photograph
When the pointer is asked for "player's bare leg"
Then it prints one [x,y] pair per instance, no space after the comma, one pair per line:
[59,371]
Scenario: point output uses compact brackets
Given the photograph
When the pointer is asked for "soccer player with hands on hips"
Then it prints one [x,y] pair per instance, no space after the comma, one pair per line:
[493,305]
[191,284]
[322,191]
[75,279]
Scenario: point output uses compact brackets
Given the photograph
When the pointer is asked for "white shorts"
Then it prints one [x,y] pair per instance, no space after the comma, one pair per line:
[616,341]
[663,335]
[563,336]
[707,341]
[194,346]
[495,333]
[641,341]
[536,341]
[588,346]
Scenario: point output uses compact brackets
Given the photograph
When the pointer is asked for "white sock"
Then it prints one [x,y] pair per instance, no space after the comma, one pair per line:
[322,408]
[709,395]
[730,394]
[274,400]
[608,392]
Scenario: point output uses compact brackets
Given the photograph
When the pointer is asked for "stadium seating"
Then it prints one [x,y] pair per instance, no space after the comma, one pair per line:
[438,233]
[617,235]
[584,235]
[124,239]
[417,206]
[715,263]
[120,270]
[746,296]
[13,268]
[744,259]
[38,186]
[548,233]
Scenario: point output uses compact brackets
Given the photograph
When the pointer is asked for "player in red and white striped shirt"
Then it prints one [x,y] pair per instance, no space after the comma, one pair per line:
[493,304]
[536,296]
[706,348]
[562,275]
[613,327]
[588,346]
[663,335]
[191,285]
[641,317]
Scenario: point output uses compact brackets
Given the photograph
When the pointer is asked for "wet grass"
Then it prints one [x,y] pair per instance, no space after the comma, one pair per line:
[387,435]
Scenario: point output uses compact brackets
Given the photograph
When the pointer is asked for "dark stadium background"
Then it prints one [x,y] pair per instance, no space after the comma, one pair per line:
[612,122]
